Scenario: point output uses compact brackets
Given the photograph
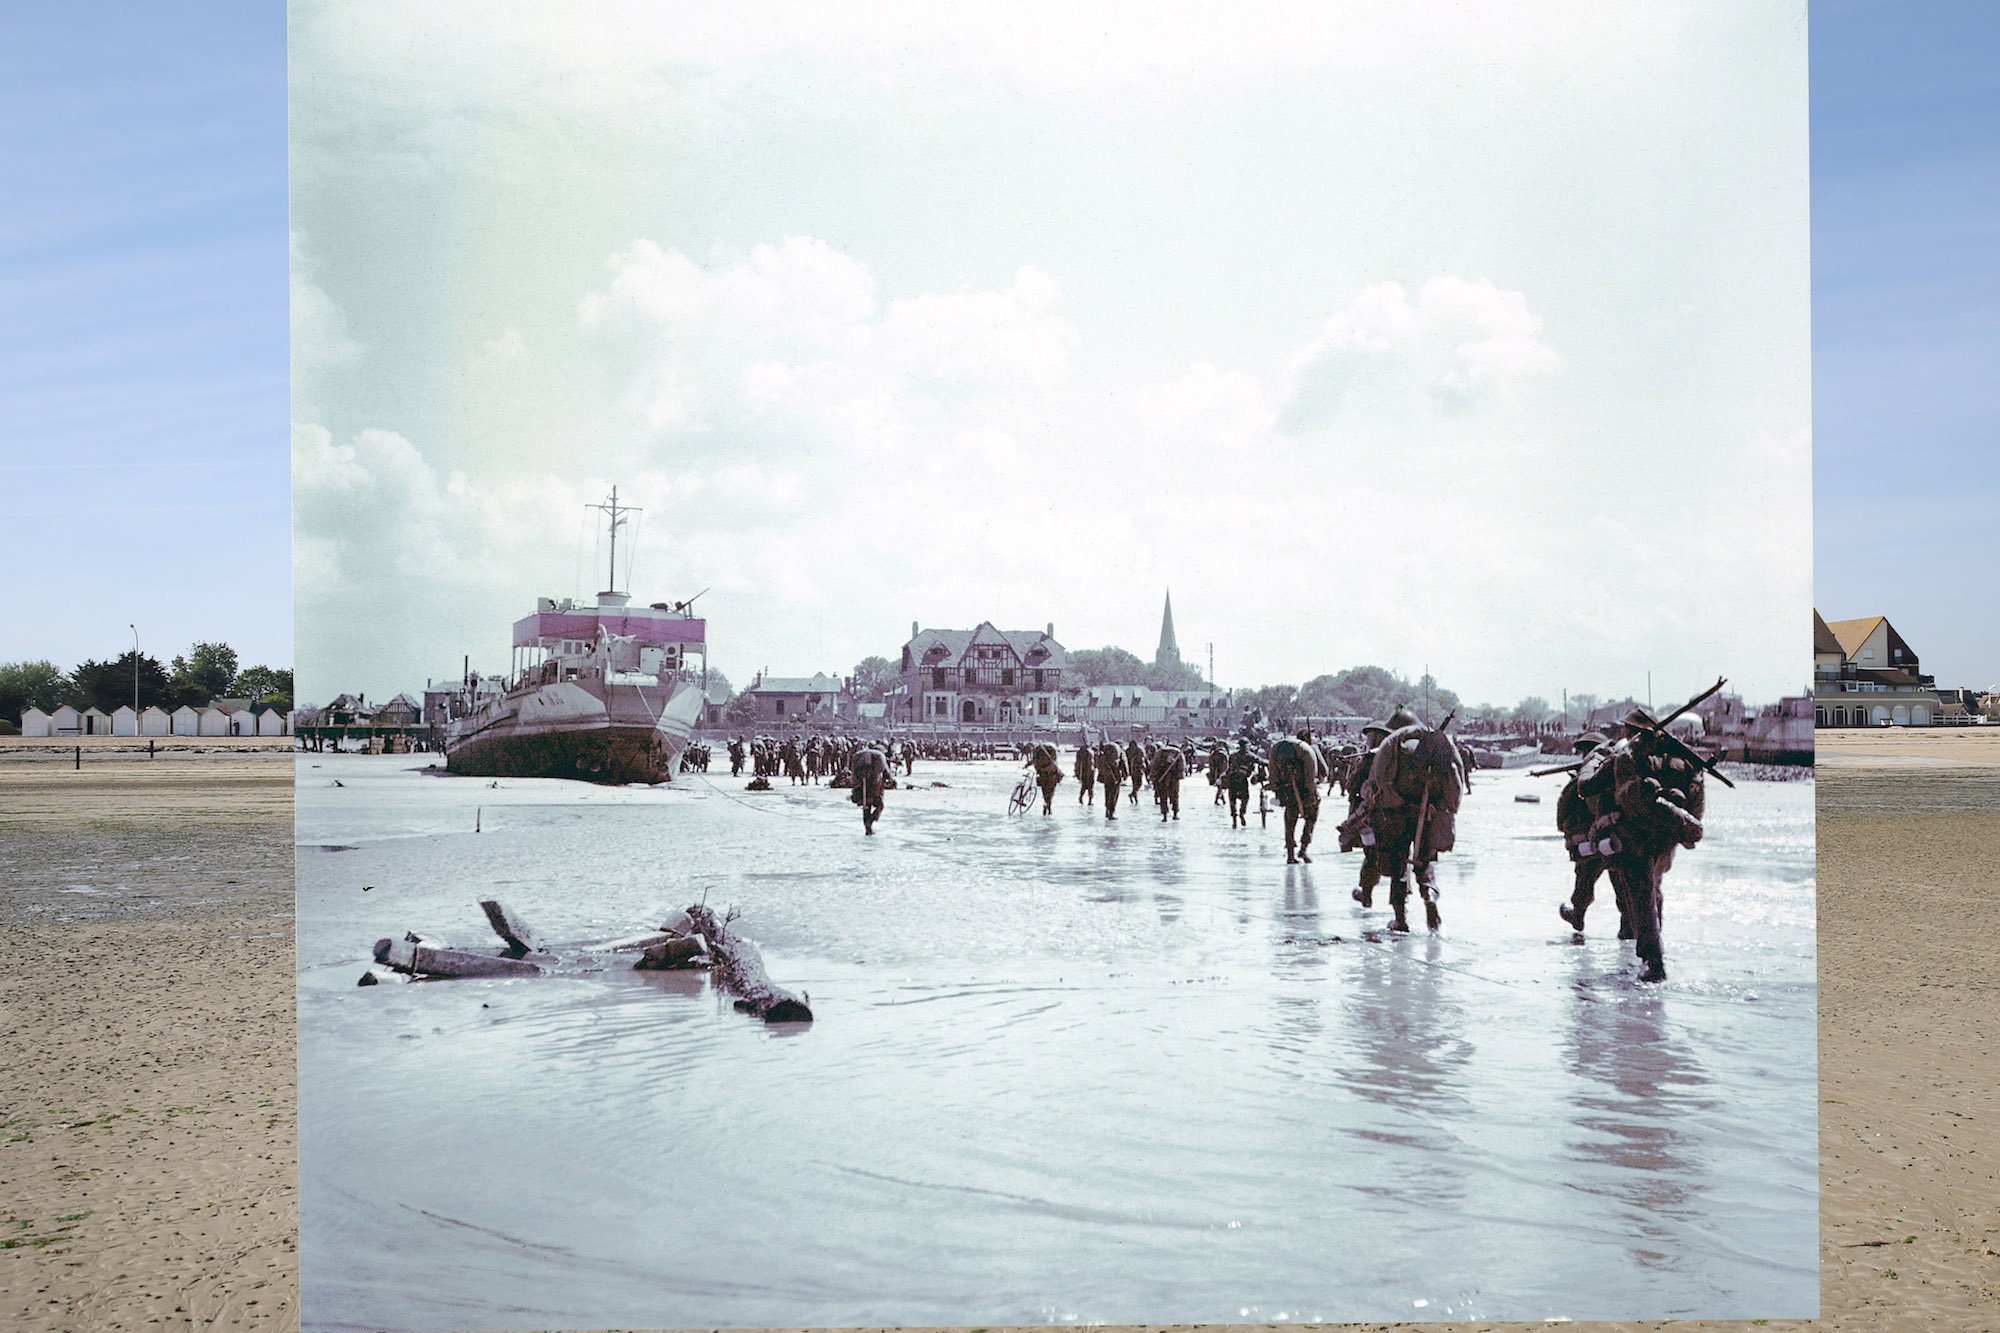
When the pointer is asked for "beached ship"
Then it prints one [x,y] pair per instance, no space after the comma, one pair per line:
[600,692]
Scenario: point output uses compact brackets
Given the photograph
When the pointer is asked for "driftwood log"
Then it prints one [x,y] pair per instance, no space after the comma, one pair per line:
[428,958]
[740,967]
[674,945]
[672,952]
[695,937]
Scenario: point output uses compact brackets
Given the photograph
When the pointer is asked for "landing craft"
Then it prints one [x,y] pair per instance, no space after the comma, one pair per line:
[600,693]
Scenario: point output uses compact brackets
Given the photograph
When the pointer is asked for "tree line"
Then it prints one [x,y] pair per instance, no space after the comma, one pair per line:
[1362,691]
[206,672]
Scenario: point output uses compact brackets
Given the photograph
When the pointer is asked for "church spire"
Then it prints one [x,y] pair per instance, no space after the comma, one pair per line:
[1169,652]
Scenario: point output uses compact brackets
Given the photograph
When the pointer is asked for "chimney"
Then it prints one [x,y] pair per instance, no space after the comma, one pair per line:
[914,631]
[1051,630]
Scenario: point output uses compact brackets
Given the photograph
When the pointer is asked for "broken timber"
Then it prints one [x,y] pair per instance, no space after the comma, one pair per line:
[687,939]
[691,938]
[740,967]
[428,958]
[520,940]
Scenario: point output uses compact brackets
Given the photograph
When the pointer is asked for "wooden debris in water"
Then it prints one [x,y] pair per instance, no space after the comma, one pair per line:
[740,968]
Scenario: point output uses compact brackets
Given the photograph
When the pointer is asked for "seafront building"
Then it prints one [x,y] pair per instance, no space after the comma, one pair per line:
[219,717]
[984,676]
[1865,674]
[788,699]
[1203,708]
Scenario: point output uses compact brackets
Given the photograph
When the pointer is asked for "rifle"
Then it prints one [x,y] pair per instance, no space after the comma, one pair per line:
[1659,730]
[1691,704]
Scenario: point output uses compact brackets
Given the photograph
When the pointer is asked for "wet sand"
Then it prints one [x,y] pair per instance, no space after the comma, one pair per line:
[148,1163]
[148,1156]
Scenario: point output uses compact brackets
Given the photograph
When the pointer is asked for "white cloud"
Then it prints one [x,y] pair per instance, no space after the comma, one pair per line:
[500,353]
[929,320]
[320,340]
[808,447]
[785,354]
[1458,343]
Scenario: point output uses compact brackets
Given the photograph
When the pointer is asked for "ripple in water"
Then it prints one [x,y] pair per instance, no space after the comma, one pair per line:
[1128,1074]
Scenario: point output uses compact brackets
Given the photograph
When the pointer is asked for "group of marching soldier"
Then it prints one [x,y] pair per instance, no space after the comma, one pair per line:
[1634,796]
[811,759]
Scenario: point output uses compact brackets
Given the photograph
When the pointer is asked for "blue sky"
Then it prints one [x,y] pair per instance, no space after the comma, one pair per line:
[1906,324]
[143,362]
[143,414]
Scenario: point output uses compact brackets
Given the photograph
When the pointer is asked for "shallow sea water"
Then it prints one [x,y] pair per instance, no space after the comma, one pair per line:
[1060,1069]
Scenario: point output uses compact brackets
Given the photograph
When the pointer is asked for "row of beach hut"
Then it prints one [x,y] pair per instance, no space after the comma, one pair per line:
[217,719]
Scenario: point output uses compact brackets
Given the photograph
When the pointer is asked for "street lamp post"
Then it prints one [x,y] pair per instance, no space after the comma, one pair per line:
[135,677]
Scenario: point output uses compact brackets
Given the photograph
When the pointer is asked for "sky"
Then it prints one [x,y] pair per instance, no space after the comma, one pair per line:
[1468,337]
[144,426]
[1906,324]
[142,332]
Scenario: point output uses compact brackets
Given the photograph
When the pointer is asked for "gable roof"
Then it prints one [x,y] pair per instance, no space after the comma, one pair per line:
[956,643]
[1823,640]
[817,683]
[1851,634]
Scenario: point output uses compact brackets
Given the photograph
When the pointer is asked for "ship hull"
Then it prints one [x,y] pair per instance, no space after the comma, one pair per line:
[584,733]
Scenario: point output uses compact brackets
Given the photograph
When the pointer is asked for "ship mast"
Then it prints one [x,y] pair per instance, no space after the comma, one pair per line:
[617,513]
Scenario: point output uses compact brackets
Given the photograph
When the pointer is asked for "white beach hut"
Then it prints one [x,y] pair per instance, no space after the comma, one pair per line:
[124,722]
[96,722]
[186,720]
[212,721]
[65,721]
[34,722]
[155,721]
[274,722]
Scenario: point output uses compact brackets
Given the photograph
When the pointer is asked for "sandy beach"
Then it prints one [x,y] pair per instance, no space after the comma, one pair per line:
[147,1162]
[148,1157]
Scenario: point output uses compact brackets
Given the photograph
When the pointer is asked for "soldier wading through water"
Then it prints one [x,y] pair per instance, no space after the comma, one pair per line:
[1169,766]
[1242,770]
[1410,803]
[1354,832]
[1048,773]
[871,775]
[1086,776]
[1645,796]
[1110,775]
[1574,819]
[1295,777]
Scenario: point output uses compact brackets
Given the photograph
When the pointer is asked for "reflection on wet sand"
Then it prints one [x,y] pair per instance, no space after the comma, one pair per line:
[1413,1044]
[1059,1070]
[1638,1084]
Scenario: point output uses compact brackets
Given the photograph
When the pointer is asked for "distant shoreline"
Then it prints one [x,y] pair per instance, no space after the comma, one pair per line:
[35,749]
[1899,745]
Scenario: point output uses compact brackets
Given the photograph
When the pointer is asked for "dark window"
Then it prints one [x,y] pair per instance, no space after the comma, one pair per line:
[937,678]
[777,708]
[1006,675]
